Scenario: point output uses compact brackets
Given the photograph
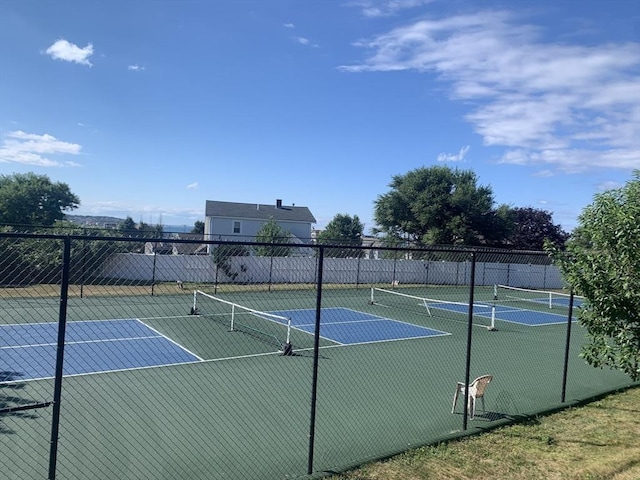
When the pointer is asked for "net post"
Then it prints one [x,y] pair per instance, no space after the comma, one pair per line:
[287,348]
[289,331]
[550,300]
[233,315]
[194,306]
[371,301]
[492,327]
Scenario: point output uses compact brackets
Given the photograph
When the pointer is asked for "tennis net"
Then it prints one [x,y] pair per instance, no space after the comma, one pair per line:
[527,296]
[484,315]
[264,326]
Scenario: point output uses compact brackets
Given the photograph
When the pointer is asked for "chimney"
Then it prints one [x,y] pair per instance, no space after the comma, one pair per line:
[278,203]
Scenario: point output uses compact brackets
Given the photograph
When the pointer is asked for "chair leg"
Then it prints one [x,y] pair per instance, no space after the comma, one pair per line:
[455,400]
[472,407]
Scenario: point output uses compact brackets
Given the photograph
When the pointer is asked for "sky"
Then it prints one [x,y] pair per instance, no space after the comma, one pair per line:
[149,108]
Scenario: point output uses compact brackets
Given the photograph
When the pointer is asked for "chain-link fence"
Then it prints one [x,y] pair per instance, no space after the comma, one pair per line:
[121,359]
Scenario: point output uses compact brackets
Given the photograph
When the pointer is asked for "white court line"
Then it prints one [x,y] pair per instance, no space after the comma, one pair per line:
[372,318]
[170,340]
[102,340]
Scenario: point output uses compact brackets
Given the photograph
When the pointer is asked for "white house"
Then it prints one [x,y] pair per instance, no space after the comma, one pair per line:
[231,221]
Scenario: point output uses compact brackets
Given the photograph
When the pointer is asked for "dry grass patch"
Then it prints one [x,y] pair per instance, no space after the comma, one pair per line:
[600,440]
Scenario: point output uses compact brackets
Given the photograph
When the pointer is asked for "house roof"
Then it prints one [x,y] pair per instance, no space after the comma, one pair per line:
[258,211]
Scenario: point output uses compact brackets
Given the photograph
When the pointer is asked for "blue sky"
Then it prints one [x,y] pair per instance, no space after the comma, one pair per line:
[148,108]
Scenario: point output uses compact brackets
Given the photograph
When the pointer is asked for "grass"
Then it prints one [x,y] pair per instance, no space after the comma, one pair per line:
[600,440]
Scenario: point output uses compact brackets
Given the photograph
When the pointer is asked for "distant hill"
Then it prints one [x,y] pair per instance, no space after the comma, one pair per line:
[112,222]
[94,221]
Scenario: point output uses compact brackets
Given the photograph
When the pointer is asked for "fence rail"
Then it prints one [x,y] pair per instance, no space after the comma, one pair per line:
[289,362]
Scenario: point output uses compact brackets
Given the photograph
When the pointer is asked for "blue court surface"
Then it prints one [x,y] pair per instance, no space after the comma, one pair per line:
[350,327]
[29,350]
[558,301]
[505,313]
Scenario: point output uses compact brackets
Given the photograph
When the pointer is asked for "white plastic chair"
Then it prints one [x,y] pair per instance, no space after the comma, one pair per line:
[476,391]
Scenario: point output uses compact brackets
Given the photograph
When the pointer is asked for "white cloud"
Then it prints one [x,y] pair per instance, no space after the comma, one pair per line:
[135,68]
[69,52]
[32,149]
[192,186]
[609,185]
[454,157]
[305,41]
[567,107]
[385,8]
[289,25]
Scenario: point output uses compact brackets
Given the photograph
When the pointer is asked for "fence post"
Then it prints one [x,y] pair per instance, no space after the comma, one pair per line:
[467,374]
[566,348]
[84,261]
[316,350]
[57,389]
[153,274]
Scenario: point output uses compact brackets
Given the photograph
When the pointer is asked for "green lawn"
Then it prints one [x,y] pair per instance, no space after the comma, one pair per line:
[600,440]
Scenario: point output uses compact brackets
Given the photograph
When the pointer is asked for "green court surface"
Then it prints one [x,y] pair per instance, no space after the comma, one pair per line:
[244,410]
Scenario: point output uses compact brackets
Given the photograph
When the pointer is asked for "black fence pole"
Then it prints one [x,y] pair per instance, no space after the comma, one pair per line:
[566,348]
[84,262]
[270,268]
[316,356]
[467,374]
[393,277]
[57,389]
[153,274]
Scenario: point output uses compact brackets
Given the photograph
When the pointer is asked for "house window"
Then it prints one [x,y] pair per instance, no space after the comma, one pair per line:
[236,226]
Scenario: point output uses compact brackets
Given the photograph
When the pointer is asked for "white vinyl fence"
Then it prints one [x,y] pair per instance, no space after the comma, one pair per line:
[254,269]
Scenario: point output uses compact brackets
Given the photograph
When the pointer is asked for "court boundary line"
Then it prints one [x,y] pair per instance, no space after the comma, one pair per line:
[375,318]
[212,360]
[399,321]
[57,322]
[422,305]
[169,339]
[528,324]
[80,342]
[484,315]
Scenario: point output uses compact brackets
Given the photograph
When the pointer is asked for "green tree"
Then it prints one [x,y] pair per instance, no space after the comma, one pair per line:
[602,263]
[533,227]
[146,230]
[198,227]
[345,230]
[440,206]
[30,199]
[128,228]
[271,232]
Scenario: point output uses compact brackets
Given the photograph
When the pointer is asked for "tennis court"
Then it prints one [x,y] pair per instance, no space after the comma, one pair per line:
[152,390]
[345,326]
[29,350]
[503,313]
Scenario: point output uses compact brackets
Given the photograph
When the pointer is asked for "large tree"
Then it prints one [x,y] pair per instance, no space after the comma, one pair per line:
[602,263]
[198,227]
[30,199]
[440,205]
[343,229]
[128,227]
[532,227]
